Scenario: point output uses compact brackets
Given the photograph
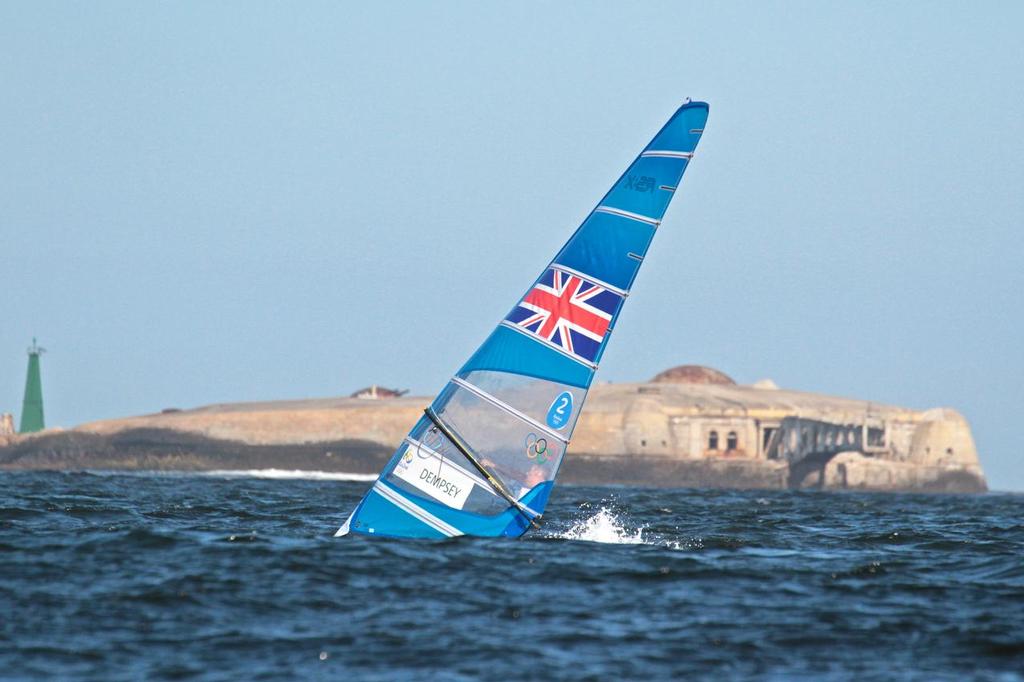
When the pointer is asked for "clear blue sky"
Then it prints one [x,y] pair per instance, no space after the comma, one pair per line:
[218,202]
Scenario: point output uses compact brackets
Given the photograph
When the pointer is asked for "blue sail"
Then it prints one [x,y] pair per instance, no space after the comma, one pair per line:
[483,458]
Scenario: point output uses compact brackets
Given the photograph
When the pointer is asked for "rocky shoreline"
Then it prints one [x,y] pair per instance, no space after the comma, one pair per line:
[169,450]
[695,428]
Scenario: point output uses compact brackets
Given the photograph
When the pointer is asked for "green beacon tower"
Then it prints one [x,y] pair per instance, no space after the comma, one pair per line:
[32,408]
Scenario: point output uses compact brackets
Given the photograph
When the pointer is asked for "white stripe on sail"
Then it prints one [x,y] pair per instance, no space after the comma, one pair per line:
[416,511]
[611,210]
[667,154]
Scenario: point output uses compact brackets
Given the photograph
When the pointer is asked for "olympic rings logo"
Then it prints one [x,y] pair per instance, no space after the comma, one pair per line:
[537,449]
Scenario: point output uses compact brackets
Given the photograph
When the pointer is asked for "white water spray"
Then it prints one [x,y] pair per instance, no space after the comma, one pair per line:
[606,527]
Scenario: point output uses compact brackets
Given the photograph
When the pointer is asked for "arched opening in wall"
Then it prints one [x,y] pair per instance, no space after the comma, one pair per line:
[732,442]
[713,440]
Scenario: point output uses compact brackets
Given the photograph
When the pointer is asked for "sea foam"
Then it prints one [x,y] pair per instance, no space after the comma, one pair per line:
[605,527]
[289,474]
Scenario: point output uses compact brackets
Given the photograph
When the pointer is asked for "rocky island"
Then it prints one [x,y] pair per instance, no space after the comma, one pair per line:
[689,427]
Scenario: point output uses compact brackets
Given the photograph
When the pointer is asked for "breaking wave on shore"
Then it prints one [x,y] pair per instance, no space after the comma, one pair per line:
[291,474]
[281,474]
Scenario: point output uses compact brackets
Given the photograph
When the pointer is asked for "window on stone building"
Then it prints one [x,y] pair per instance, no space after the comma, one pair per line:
[713,440]
[731,441]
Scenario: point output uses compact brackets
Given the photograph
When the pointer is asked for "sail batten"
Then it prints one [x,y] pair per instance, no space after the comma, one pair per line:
[666,153]
[483,458]
[628,214]
[511,410]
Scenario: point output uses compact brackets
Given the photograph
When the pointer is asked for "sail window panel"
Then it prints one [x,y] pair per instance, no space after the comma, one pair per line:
[432,468]
[602,246]
[683,130]
[517,453]
[639,190]
[553,405]
[507,350]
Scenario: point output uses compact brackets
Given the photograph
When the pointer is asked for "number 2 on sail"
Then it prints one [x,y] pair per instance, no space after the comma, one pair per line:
[560,410]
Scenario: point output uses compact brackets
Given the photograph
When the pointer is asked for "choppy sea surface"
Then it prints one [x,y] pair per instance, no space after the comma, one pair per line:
[236,577]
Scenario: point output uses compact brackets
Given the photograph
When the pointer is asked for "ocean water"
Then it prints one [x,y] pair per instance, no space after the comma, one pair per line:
[237,577]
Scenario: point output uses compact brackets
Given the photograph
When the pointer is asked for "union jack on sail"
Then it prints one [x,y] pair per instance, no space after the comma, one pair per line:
[569,311]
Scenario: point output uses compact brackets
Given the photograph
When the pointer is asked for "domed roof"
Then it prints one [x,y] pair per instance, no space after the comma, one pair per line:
[692,374]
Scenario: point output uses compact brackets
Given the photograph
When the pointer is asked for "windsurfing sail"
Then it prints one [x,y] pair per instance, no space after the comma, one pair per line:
[483,457]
